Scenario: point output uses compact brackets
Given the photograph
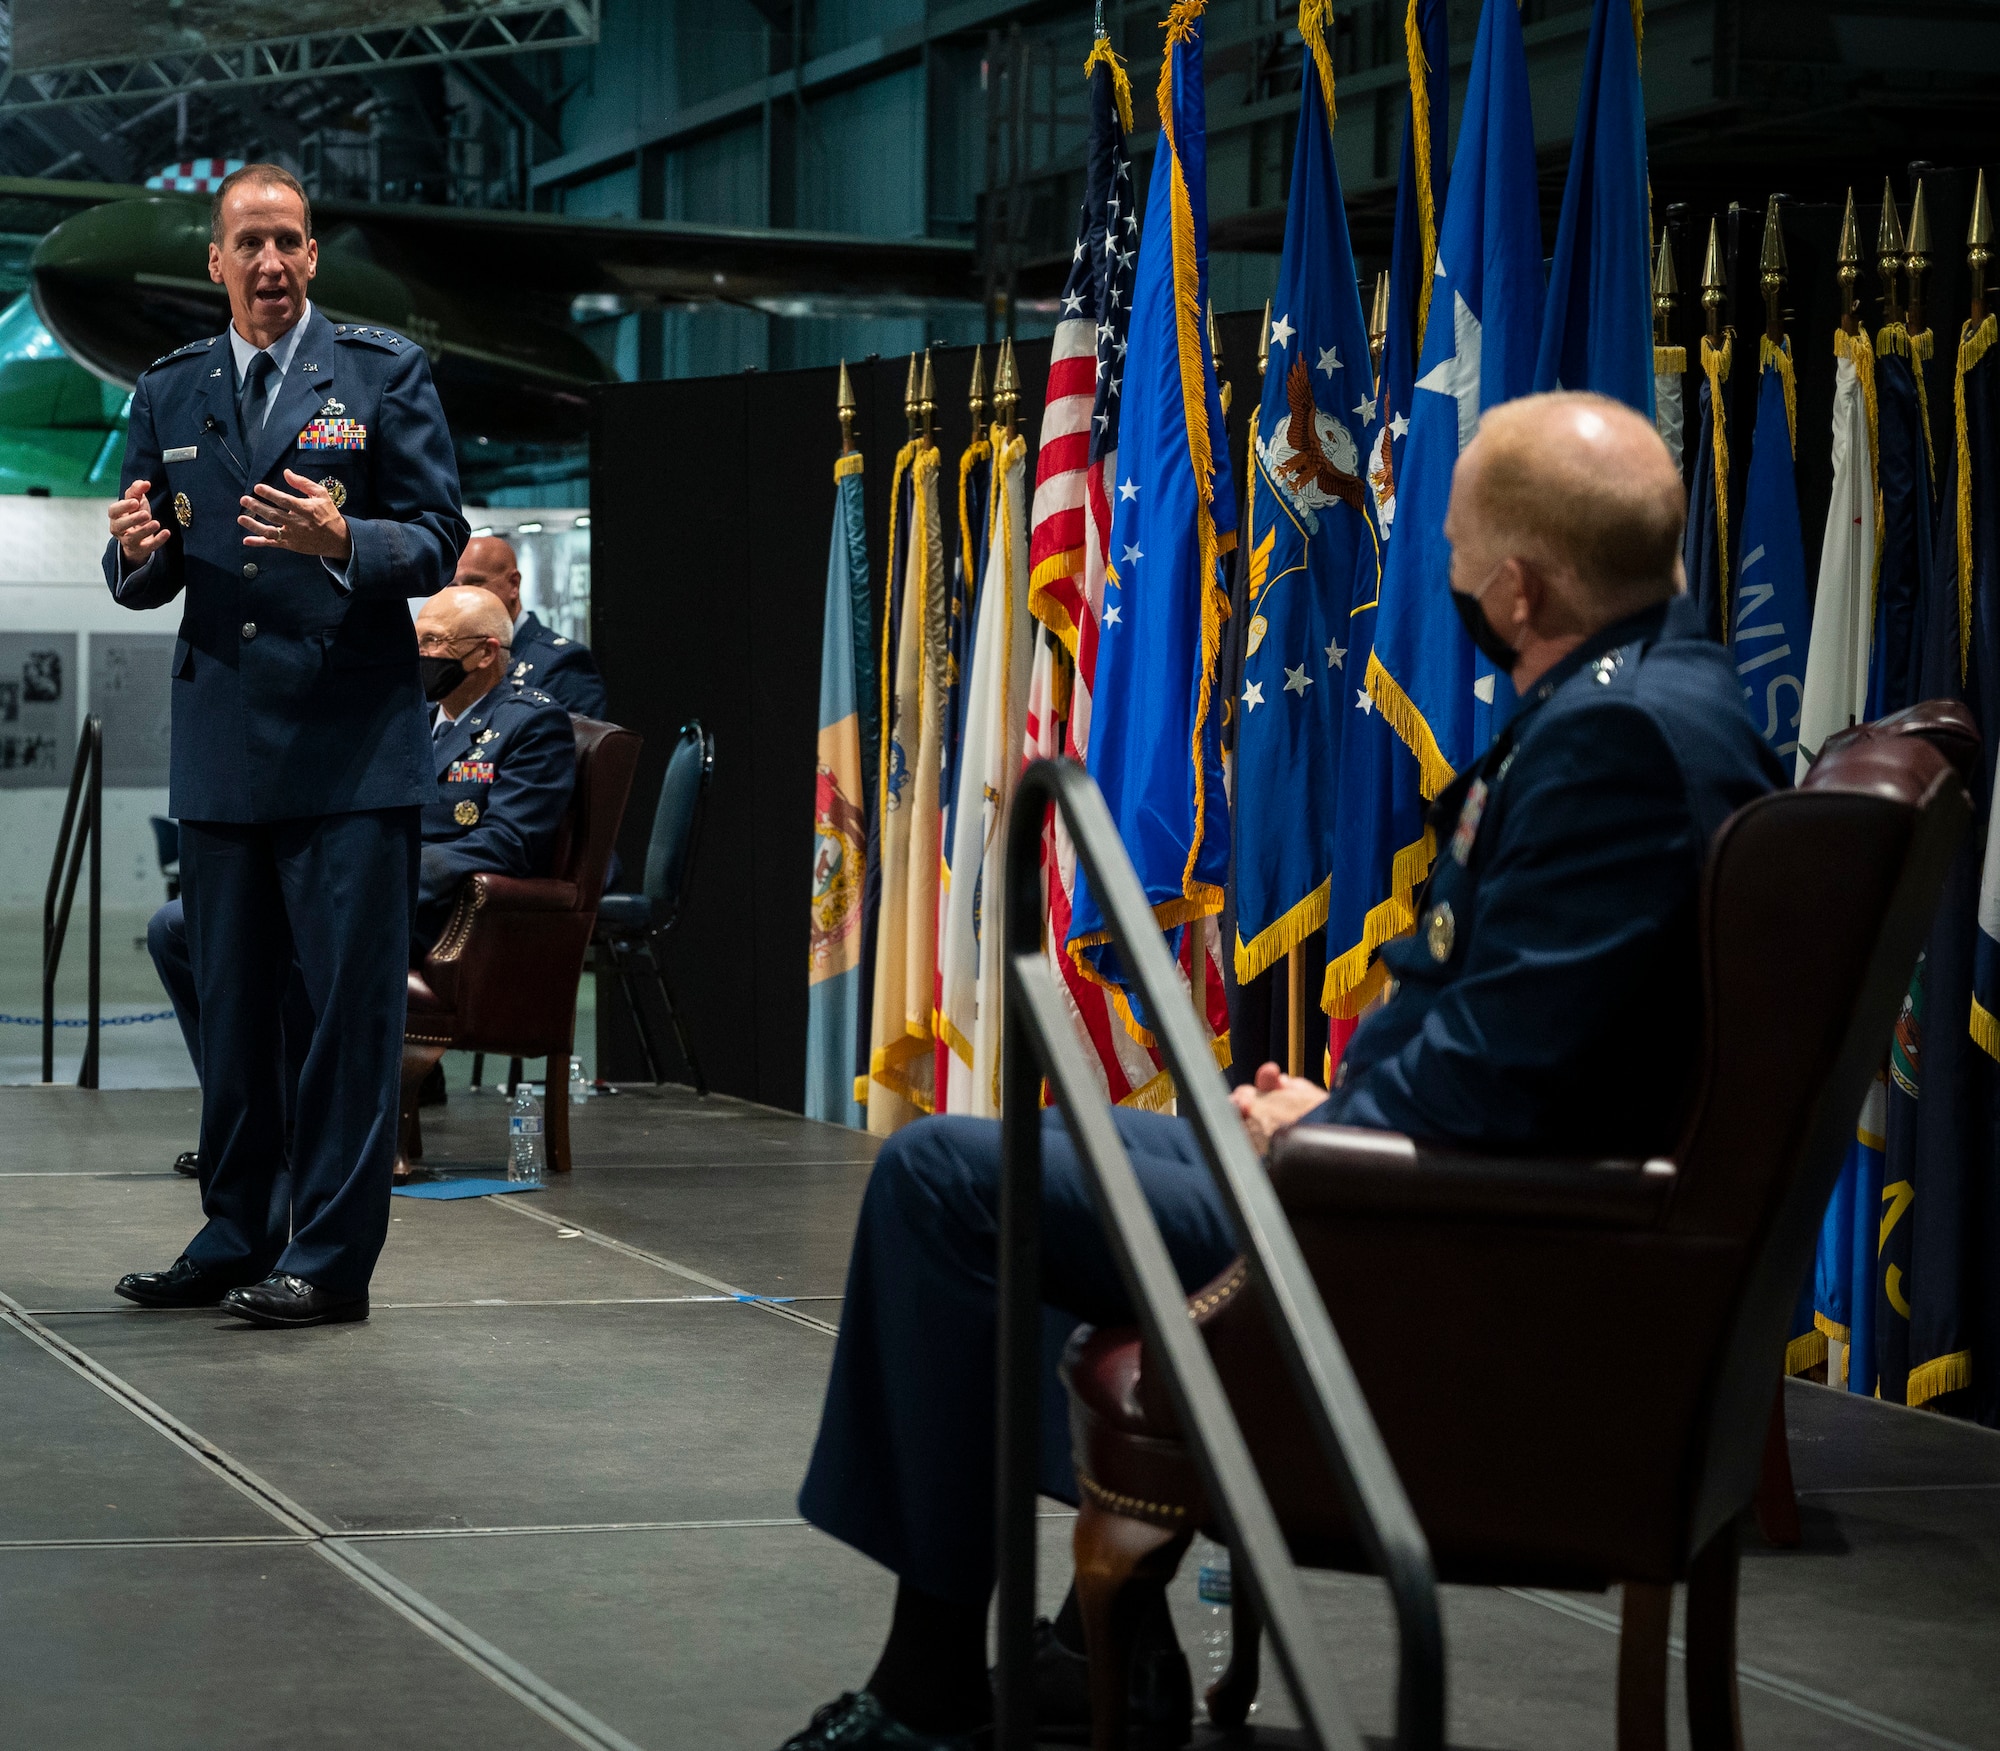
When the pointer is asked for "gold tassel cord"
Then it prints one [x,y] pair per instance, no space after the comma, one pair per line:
[1202,898]
[1420,123]
[1639,30]
[903,458]
[1972,347]
[1103,55]
[1715,363]
[1314,17]
[1771,356]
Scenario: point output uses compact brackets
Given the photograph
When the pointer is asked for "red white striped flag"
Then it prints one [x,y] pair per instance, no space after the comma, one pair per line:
[1069,530]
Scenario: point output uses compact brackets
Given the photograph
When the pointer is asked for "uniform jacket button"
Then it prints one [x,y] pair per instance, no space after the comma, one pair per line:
[249,568]
[249,629]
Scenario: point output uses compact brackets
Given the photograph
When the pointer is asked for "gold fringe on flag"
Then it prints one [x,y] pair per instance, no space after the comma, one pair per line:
[1715,367]
[1314,17]
[1103,55]
[1420,124]
[1945,1374]
[1772,356]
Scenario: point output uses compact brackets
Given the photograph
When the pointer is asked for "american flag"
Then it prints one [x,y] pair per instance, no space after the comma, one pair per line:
[1069,534]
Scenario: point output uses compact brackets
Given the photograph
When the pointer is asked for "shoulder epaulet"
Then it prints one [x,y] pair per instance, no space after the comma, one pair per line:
[193,346]
[386,339]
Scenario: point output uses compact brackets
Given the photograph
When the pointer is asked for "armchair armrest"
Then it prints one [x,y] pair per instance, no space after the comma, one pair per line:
[486,904]
[1322,1170]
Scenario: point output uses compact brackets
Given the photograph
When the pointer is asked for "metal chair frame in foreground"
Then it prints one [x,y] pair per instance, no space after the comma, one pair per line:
[1040,1038]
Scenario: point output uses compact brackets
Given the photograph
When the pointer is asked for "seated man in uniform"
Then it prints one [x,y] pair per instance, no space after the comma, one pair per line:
[505,761]
[561,667]
[1548,1000]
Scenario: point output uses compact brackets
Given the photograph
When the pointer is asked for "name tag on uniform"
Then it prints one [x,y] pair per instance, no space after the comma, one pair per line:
[469,772]
[184,454]
[334,434]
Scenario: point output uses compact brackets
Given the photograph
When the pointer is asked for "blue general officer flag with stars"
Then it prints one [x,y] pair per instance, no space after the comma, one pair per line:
[1479,350]
[1380,849]
[1313,553]
[1770,617]
[1155,748]
[1597,330]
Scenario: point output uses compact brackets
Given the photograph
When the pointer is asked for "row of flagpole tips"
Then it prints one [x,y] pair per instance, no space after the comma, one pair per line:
[1266,678]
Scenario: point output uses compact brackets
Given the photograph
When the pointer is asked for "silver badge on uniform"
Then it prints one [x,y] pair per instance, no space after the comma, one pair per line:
[1441,932]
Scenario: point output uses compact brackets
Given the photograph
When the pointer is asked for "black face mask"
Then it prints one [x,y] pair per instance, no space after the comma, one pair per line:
[1489,644]
[442,676]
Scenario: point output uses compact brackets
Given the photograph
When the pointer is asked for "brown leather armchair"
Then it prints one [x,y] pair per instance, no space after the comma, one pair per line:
[1572,1363]
[503,975]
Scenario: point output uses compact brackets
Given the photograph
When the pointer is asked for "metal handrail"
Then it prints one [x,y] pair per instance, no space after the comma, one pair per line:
[89,769]
[1040,1037]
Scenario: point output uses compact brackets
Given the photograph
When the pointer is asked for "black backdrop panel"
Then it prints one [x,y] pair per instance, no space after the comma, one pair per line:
[711,510]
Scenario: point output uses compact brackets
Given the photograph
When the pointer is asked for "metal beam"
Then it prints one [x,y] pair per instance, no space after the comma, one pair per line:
[509,28]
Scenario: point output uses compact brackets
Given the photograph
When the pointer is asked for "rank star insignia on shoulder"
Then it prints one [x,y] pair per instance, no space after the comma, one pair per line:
[193,346]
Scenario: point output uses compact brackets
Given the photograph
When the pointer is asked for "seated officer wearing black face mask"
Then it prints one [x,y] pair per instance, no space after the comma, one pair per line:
[505,761]
[1548,1000]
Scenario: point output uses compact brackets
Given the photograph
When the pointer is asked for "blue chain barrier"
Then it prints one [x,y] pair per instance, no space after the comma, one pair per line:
[103,1021]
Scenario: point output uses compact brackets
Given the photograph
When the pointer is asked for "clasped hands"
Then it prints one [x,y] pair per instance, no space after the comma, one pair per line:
[1276,1102]
[308,522]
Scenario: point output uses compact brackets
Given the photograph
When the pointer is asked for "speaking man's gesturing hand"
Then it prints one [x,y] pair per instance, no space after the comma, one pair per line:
[133,525]
[309,522]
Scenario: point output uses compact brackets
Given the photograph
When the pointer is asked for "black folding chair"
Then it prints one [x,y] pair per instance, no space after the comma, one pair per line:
[630,926]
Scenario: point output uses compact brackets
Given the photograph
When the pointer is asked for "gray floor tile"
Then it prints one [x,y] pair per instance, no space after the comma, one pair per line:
[498,1416]
[76,1464]
[217,1649]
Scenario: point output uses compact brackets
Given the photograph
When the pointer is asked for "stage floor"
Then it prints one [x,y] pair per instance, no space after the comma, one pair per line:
[546,1495]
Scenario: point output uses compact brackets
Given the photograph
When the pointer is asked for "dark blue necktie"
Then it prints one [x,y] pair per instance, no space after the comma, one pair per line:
[250,407]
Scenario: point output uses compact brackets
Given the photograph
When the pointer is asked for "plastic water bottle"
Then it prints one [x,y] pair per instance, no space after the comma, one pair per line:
[524,1135]
[1212,1608]
[579,1084]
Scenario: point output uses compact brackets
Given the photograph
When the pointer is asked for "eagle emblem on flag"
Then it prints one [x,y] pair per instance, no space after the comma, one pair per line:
[1311,458]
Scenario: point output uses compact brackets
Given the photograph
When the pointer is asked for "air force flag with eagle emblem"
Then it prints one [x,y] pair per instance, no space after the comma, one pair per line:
[1479,350]
[1314,555]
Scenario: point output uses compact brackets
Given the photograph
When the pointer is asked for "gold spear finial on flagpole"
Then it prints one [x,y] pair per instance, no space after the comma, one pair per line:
[1666,291]
[1889,248]
[846,407]
[1378,320]
[1918,262]
[910,396]
[1215,359]
[1264,342]
[1771,270]
[1978,247]
[1006,389]
[1714,283]
[927,397]
[975,396]
[1849,272]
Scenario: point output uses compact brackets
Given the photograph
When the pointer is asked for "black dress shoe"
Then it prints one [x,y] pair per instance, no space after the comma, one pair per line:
[188,1163]
[857,1722]
[185,1285]
[286,1300]
[1160,1701]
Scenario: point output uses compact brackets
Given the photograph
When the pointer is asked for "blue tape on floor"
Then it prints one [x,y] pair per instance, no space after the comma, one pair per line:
[463,1188]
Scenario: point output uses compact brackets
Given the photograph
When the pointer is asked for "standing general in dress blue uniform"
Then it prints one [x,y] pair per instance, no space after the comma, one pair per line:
[295,478]
[539,656]
[1548,1001]
[504,758]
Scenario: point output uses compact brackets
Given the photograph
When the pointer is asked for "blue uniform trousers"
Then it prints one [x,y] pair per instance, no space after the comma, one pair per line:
[903,1468]
[166,941]
[333,894]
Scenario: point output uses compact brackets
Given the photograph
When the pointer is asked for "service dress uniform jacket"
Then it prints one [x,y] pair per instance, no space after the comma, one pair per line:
[296,693]
[505,772]
[301,759]
[1547,999]
[562,667]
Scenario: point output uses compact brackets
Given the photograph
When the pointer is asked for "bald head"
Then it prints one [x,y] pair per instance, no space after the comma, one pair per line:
[488,563]
[460,613]
[1582,489]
